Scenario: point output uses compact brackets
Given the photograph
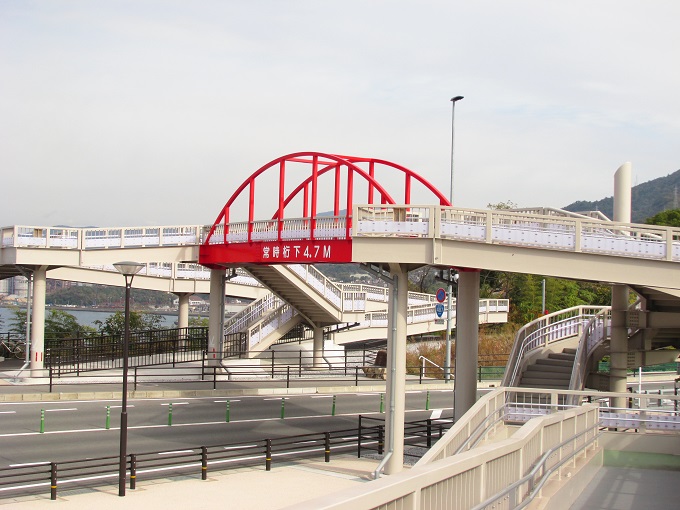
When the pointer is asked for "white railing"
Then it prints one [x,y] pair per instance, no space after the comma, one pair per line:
[576,234]
[271,323]
[543,331]
[595,333]
[26,236]
[252,313]
[504,474]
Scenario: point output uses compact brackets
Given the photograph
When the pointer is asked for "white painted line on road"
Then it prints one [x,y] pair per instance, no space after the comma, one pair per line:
[176,451]
[43,463]
[413,391]
[323,396]
[436,414]
[198,424]
[8,412]
[364,394]
[176,404]
[128,406]
[280,398]
[225,401]
[64,409]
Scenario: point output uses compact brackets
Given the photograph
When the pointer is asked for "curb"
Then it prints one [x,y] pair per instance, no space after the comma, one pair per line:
[165,394]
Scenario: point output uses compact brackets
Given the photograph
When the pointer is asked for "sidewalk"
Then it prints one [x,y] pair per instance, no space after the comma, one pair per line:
[242,489]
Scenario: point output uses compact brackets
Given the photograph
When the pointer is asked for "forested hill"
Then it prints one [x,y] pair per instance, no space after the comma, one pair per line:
[649,198]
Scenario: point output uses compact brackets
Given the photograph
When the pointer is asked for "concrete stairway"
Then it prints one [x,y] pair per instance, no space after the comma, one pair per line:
[553,372]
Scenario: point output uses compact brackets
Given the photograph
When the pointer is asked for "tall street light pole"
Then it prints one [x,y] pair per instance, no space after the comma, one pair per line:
[447,359]
[129,270]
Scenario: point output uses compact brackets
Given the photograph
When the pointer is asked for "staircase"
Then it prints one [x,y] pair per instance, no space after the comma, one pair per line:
[553,372]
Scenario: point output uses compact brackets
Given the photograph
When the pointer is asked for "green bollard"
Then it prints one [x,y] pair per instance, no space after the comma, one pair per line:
[170,414]
[42,421]
[427,401]
[333,409]
[227,415]
[382,403]
[283,407]
[108,417]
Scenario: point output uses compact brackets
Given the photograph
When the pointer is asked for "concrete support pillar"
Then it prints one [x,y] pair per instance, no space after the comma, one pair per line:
[318,347]
[216,318]
[396,370]
[183,315]
[620,293]
[467,342]
[38,322]
[183,309]
[619,344]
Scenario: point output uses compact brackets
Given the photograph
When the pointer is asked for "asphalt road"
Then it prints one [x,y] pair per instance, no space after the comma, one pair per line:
[77,429]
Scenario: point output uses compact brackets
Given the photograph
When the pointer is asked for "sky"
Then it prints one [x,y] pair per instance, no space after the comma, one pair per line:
[152,112]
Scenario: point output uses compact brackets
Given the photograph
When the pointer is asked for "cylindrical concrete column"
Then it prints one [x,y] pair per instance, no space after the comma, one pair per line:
[467,342]
[620,293]
[396,371]
[183,315]
[216,317]
[623,193]
[318,347]
[183,309]
[38,322]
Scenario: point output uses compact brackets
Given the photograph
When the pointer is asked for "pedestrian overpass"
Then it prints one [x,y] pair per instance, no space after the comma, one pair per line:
[394,238]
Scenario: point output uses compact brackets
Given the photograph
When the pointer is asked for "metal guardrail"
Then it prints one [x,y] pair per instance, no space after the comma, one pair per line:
[146,348]
[53,476]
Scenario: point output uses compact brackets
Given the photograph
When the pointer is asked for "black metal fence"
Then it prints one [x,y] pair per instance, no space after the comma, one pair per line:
[53,476]
[150,347]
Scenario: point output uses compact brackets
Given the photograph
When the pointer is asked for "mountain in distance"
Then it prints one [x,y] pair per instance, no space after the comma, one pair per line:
[648,199]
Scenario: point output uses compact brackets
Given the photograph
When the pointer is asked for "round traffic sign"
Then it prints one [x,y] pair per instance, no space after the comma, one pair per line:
[441,295]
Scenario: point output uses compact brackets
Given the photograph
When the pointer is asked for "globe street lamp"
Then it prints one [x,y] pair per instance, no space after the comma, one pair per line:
[129,270]
[447,358]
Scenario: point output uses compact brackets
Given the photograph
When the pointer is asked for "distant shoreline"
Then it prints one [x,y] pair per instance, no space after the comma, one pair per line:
[152,311]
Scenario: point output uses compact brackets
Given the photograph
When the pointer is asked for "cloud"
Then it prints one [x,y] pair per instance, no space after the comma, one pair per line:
[132,113]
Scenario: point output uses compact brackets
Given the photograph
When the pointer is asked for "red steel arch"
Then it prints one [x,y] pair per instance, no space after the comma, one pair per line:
[319,164]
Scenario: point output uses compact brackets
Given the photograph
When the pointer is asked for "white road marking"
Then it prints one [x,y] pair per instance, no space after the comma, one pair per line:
[63,409]
[8,412]
[225,401]
[323,396]
[436,414]
[176,404]
[284,398]
[118,407]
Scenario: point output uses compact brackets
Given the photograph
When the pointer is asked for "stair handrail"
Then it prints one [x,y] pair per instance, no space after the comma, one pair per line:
[252,313]
[424,359]
[597,331]
[594,334]
[280,316]
[543,331]
[319,282]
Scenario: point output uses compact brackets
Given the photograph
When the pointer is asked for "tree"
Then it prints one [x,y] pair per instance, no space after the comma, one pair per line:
[508,204]
[198,322]
[668,218]
[17,323]
[61,324]
[114,324]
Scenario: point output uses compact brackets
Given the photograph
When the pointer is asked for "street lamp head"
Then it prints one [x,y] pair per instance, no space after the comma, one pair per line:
[128,268]
[457,98]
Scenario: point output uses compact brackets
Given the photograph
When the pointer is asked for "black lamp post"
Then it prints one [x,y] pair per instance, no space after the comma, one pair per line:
[129,270]
[447,358]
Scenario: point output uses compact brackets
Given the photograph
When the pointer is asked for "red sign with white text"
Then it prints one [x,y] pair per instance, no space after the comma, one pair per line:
[276,252]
